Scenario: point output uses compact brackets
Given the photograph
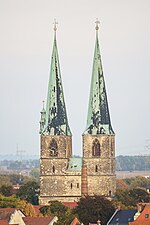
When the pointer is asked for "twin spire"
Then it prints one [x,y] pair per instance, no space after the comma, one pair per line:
[54,120]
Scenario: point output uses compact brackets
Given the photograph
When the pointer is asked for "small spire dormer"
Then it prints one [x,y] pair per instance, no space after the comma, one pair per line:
[98,119]
[43,118]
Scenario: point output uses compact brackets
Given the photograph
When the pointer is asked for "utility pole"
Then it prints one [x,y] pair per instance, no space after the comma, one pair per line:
[19,153]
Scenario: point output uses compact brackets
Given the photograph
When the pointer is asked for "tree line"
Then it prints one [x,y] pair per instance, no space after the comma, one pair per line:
[132,163]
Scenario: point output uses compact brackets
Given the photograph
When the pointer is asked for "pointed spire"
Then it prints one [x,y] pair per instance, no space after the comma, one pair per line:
[56,116]
[98,119]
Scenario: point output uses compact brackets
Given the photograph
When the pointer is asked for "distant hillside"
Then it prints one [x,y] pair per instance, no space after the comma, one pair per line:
[130,163]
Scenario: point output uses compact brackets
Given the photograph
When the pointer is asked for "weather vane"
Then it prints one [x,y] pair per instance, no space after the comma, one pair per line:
[55,25]
[97,24]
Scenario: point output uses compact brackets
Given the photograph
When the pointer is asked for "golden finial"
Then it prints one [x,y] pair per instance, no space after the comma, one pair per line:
[97,24]
[55,25]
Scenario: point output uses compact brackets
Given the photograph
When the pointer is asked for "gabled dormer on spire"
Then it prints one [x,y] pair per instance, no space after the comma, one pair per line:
[56,122]
[43,117]
[98,119]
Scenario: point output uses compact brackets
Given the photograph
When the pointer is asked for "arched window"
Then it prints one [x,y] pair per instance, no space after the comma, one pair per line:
[96,148]
[53,169]
[53,148]
[96,168]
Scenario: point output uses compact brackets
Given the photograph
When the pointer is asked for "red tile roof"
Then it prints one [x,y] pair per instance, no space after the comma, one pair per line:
[141,219]
[37,220]
[5,213]
[71,205]
[3,222]
[75,222]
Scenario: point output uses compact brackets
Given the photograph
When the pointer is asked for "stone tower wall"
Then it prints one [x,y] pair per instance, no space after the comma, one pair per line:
[100,169]
[55,182]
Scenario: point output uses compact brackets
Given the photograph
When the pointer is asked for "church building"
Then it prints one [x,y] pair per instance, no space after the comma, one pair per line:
[62,176]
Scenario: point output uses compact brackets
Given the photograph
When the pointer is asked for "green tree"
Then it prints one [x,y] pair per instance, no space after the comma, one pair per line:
[29,192]
[14,202]
[35,173]
[6,190]
[26,208]
[5,180]
[65,215]
[90,209]
[8,202]
[130,198]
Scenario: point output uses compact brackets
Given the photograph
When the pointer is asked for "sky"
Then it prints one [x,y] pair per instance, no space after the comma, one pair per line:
[26,40]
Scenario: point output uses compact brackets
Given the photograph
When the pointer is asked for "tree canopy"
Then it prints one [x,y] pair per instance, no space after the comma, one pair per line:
[129,198]
[90,209]
[65,215]
[29,192]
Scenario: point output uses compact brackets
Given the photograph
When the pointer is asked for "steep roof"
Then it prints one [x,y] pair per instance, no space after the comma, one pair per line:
[143,218]
[56,122]
[5,213]
[75,221]
[37,220]
[98,119]
[122,217]
[3,222]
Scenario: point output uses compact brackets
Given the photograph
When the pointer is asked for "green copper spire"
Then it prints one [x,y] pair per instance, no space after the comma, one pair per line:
[56,117]
[98,120]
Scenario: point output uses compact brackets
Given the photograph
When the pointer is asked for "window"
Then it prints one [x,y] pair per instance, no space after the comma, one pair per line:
[96,148]
[77,185]
[71,185]
[53,148]
[146,215]
[53,169]
[110,193]
[96,168]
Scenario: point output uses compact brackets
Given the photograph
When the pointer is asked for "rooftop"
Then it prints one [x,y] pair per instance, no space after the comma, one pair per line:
[75,164]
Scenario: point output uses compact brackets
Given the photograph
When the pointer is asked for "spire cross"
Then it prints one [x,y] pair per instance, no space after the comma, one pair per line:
[55,25]
[97,24]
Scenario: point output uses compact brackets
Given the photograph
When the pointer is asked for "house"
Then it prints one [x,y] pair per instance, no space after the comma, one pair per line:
[122,217]
[11,216]
[143,218]
[16,217]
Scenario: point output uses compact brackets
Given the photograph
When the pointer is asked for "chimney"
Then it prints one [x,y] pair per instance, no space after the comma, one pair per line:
[98,222]
[84,185]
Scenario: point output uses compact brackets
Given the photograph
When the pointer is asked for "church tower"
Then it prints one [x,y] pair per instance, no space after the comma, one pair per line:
[56,137]
[99,137]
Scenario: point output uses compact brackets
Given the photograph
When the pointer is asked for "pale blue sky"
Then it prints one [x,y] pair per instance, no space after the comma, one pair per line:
[26,39]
